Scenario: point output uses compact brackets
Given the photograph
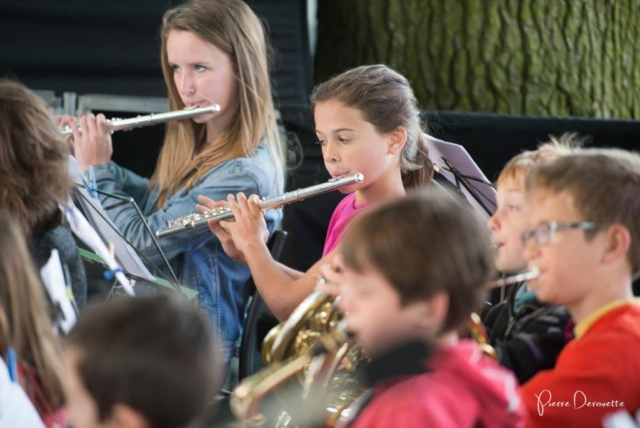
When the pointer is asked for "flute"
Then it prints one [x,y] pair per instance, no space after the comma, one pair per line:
[152,119]
[194,221]
[525,276]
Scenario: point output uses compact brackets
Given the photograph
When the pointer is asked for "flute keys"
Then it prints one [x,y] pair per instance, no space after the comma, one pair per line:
[182,221]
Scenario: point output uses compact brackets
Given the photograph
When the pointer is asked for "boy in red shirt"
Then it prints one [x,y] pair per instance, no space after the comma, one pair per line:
[413,270]
[584,210]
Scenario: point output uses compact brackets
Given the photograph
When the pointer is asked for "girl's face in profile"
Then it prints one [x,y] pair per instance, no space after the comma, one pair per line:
[350,145]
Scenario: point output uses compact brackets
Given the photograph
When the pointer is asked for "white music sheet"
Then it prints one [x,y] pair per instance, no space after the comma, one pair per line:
[56,286]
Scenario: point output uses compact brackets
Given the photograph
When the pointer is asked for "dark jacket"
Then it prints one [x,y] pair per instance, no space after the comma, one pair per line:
[530,339]
[60,238]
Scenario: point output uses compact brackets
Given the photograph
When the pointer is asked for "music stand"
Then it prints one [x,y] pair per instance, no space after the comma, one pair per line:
[84,231]
[124,252]
[455,164]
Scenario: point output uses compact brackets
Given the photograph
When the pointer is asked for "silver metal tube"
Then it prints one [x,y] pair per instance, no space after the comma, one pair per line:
[152,119]
[194,221]
[525,276]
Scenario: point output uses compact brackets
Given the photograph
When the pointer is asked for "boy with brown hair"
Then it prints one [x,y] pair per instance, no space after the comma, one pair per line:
[144,362]
[413,270]
[584,210]
[527,334]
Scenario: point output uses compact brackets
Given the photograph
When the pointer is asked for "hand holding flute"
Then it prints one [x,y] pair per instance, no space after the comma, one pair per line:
[91,135]
[91,139]
[247,227]
[249,230]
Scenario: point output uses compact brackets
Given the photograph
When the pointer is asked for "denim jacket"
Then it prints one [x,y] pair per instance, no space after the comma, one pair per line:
[196,256]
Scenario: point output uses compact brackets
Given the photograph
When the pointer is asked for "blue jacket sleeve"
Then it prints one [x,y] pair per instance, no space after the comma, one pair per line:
[221,181]
[133,185]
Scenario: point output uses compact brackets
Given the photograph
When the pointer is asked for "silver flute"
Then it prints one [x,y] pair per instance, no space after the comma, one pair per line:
[152,119]
[194,221]
[525,276]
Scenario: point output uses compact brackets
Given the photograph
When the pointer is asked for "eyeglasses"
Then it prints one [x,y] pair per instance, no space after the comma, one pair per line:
[545,232]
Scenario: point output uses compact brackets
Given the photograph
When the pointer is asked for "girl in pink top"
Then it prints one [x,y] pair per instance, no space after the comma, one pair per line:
[367,121]
[342,215]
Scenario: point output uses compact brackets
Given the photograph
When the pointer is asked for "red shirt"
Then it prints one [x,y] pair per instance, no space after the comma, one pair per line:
[597,373]
[463,389]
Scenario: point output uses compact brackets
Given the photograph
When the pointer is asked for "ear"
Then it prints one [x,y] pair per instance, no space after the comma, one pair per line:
[618,240]
[124,416]
[431,313]
[397,140]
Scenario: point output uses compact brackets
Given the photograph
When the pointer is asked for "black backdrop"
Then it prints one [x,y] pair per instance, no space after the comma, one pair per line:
[113,47]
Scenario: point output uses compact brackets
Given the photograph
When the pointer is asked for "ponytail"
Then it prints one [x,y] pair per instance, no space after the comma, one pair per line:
[421,175]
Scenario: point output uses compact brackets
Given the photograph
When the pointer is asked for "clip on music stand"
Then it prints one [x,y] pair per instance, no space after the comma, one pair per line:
[455,164]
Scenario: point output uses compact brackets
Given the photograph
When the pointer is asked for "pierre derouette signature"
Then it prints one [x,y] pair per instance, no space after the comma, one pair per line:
[580,400]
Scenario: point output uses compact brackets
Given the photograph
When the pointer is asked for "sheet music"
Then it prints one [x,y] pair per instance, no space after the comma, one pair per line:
[441,151]
[101,222]
[56,286]
[83,230]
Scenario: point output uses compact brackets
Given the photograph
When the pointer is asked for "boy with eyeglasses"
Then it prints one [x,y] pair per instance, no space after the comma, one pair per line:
[527,334]
[584,210]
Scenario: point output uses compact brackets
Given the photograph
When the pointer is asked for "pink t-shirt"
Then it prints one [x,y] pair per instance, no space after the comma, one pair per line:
[342,215]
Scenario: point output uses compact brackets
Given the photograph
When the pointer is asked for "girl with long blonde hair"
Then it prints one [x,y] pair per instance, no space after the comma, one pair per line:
[213,52]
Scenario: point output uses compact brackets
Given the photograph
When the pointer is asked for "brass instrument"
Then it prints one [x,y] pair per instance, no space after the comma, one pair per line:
[152,119]
[286,350]
[479,334]
[194,221]
[319,358]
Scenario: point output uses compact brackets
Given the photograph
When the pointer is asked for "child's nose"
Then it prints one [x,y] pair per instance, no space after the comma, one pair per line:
[330,152]
[185,84]
[493,222]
